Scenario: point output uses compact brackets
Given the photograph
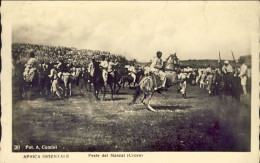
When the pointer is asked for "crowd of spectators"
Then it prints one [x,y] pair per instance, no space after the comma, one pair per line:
[50,54]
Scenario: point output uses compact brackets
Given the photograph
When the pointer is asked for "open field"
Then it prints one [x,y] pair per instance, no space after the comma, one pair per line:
[78,123]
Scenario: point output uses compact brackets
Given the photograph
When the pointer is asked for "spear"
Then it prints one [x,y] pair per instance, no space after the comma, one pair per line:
[234,61]
[219,64]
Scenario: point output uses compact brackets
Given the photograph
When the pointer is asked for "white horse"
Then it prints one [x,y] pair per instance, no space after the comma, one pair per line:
[147,84]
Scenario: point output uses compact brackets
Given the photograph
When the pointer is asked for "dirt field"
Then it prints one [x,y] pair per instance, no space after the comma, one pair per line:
[78,123]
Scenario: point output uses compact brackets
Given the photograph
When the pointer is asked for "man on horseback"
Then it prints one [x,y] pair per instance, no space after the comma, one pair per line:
[104,65]
[156,68]
[30,68]
[227,68]
[111,67]
[132,72]
[91,67]
[227,72]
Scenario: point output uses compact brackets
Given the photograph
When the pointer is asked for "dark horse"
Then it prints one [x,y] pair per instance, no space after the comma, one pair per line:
[99,83]
[228,85]
[129,79]
[114,79]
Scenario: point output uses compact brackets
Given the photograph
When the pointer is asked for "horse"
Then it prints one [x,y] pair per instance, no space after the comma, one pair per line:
[114,79]
[228,85]
[129,79]
[85,79]
[98,82]
[147,84]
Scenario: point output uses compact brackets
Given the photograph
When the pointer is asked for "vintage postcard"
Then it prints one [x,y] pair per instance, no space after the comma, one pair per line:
[114,81]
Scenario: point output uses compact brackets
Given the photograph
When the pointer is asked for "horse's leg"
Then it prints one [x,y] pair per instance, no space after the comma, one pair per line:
[123,84]
[129,84]
[70,87]
[104,93]
[119,86]
[144,97]
[85,84]
[136,94]
[65,86]
[21,89]
[90,85]
[112,91]
[28,90]
[148,101]
[96,93]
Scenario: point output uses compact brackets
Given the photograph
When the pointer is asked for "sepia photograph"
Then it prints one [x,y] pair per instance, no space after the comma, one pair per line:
[132,77]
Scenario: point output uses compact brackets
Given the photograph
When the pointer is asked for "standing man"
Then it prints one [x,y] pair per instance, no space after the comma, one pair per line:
[54,80]
[156,68]
[243,75]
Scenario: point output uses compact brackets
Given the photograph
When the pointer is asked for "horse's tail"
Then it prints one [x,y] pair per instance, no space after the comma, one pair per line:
[136,94]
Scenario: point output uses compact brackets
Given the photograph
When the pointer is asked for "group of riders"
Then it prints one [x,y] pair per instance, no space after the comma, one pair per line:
[156,69]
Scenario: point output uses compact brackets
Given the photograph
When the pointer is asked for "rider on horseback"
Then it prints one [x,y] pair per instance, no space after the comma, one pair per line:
[156,68]
[227,68]
[91,66]
[111,67]
[30,68]
[132,72]
[227,72]
[104,65]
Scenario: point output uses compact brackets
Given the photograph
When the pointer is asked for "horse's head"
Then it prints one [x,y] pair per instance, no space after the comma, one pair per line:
[169,64]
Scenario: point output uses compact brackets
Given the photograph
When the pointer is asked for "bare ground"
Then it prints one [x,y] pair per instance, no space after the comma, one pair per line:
[78,123]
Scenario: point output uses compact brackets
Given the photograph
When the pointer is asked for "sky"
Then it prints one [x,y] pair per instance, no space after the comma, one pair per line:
[194,30]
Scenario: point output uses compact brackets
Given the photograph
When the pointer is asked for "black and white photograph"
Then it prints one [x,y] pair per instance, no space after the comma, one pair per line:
[122,79]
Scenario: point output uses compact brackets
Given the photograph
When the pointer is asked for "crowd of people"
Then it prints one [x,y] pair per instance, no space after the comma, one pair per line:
[53,54]
[27,58]
[62,61]
[207,78]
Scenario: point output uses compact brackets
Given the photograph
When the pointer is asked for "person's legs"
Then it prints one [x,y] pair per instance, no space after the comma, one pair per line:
[134,77]
[104,74]
[55,89]
[163,78]
[243,83]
